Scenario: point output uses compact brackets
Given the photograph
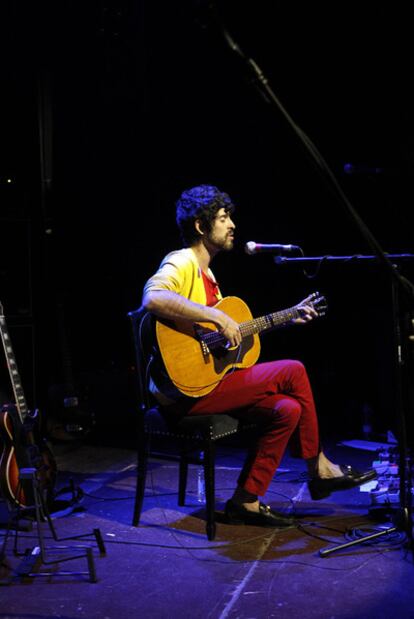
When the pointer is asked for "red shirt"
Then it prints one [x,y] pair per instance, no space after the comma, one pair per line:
[211,288]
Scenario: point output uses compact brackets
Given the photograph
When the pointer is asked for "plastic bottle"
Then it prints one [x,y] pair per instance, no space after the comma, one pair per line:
[201,485]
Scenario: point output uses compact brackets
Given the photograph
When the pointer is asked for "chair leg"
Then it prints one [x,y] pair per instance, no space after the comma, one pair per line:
[209,477]
[142,462]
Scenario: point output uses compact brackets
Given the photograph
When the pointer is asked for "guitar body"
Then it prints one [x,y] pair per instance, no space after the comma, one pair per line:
[193,370]
[21,445]
[20,450]
[10,487]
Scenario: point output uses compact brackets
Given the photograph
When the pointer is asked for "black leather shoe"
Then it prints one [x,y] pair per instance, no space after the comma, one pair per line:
[265,517]
[321,488]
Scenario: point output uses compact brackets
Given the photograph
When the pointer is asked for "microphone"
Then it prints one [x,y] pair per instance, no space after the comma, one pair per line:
[274,248]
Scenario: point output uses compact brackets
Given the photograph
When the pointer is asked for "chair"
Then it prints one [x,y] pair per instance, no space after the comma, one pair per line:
[193,434]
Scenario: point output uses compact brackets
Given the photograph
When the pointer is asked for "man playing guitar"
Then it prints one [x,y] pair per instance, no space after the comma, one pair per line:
[183,295]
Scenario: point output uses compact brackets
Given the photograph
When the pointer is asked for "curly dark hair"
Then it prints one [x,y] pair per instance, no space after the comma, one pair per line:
[202,203]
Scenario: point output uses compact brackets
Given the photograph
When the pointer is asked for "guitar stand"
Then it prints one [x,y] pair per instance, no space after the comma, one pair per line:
[39,555]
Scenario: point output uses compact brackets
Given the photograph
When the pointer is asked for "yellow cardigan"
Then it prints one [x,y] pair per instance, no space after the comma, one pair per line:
[181,273]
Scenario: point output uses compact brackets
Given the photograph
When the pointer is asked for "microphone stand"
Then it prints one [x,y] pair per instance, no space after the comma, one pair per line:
[403,289]
[403,520]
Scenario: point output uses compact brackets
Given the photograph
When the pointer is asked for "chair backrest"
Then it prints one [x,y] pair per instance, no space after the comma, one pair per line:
[142,333]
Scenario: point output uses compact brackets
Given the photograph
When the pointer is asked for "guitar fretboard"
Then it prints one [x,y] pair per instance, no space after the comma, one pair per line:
[215,339]
[269,321]
[13,371]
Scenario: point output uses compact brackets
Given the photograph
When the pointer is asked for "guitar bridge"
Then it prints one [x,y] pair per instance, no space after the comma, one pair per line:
[205,351]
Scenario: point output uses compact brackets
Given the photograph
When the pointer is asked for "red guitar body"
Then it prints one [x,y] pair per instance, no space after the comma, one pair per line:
[21,447]
[9,469]
[20,450]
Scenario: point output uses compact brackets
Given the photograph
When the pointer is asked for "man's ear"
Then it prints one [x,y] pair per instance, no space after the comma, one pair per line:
[197,226]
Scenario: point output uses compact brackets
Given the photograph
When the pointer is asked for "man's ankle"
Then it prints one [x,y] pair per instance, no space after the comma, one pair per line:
[243,497]
[252,507]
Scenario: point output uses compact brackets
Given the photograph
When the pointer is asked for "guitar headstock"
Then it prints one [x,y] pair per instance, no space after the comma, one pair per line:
[317,302]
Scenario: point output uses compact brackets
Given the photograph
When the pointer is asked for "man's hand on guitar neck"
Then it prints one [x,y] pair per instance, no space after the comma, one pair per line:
[307,310]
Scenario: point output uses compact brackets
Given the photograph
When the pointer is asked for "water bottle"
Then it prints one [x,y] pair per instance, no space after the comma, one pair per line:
[201,485]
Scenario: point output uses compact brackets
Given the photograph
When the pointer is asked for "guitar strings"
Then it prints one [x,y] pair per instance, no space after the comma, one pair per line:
[213,338]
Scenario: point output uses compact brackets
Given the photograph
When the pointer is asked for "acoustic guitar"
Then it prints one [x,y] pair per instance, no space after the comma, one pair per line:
[19,440]
[197,356]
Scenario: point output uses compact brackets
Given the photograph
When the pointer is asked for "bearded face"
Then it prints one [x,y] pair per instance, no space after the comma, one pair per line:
[221,235]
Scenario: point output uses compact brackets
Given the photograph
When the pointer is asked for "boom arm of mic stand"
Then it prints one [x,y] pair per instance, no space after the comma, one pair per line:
[351,258]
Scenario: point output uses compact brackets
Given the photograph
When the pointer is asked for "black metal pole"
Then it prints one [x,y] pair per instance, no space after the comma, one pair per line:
[404,289]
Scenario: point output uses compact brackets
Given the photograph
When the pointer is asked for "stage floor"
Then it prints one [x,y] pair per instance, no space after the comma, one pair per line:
[167,568]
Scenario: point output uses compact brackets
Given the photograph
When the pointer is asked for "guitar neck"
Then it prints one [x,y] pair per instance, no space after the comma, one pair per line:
[19,396]
[269,321]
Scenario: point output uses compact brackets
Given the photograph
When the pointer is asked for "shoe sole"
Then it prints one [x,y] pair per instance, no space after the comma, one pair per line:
[317,495]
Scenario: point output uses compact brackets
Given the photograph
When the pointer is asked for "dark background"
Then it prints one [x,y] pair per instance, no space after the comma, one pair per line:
[111,109]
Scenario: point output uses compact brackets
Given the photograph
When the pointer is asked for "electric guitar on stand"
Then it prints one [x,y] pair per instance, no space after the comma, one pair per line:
[20,442]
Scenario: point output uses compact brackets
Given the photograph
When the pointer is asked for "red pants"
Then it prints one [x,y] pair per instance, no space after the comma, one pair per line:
[278,394]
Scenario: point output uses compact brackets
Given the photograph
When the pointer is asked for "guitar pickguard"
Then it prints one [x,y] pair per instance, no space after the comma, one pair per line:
[224,357]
